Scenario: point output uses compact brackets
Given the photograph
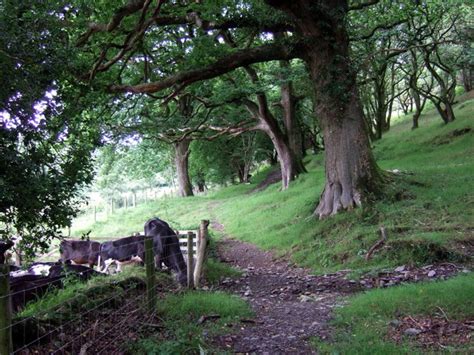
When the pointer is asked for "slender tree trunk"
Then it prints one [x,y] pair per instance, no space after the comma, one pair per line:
[467,78]
[273,158]
[351,171]
[416,118]
[290,166]
[418,107]
[181,150]
[292,126]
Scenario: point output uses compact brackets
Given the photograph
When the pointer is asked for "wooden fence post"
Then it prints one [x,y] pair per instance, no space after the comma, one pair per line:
[190,260]
[6,346]
[201,251]
[150,274]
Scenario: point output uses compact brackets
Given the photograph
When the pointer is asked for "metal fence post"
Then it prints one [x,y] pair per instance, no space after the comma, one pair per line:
[6,346]
[190,260]
[150,274]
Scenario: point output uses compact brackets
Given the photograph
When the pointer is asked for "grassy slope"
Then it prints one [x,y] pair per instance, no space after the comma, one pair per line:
[433,216]
[362,326]
[433,219]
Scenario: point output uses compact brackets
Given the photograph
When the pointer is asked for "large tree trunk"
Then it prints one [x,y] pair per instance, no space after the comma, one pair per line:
[181,150]
[351,171]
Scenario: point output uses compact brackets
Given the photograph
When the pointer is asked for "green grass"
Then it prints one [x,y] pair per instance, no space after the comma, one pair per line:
[362,325]
[86,295]
[184,334]
[428,213]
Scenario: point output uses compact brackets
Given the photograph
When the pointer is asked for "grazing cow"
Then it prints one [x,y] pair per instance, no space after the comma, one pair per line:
[122,251]
[166,247]
[80,251]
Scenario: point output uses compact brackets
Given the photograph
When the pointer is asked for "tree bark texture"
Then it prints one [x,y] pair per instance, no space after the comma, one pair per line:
[351,171]
[290,166]
[181,150]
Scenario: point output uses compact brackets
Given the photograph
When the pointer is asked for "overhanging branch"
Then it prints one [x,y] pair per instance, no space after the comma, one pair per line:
[224,65]
[363,5]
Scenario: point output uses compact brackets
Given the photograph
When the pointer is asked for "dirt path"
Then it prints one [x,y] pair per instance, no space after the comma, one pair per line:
[290,305]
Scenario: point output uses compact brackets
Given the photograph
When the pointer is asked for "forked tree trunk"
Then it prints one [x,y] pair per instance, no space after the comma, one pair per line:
[181,159]
[446,112]
[290,165]
[351,171]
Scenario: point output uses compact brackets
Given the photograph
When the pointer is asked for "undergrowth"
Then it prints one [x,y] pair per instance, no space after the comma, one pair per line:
[78,295]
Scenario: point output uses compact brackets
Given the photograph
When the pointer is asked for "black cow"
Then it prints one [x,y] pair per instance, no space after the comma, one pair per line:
[80,251]
[121,251]
[166,247]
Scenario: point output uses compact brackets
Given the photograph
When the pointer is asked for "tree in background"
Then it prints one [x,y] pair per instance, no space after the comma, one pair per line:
[318,36]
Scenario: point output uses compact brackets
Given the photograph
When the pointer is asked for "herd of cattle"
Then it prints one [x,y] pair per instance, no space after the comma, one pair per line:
[28,284]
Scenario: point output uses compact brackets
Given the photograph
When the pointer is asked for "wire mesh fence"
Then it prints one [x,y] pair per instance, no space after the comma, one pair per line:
[96,321]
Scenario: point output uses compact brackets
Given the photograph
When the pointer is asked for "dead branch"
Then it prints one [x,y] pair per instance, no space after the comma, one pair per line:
[378,244]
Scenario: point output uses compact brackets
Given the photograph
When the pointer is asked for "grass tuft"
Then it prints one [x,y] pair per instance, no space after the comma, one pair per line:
[361,326]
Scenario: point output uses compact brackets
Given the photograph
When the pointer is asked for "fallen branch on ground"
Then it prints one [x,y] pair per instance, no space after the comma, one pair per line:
[377,245]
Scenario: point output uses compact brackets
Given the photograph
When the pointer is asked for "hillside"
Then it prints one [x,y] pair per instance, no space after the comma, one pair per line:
[427,213]
[428,217]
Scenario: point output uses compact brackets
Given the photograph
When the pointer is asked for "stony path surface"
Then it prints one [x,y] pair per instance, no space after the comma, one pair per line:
[290,305]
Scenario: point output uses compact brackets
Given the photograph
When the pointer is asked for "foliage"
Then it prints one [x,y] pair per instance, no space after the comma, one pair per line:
[47,127]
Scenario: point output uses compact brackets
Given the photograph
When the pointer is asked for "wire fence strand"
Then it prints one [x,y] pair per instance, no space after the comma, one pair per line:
[83,319]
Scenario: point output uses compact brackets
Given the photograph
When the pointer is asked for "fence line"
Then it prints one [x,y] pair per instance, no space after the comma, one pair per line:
[193,243]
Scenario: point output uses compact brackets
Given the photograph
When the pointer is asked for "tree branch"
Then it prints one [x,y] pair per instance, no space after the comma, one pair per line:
[224,65]
[131,7]
[379,27]
[363,5]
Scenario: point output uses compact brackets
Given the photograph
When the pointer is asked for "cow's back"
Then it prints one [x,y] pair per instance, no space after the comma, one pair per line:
[123,249]
[79,251]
